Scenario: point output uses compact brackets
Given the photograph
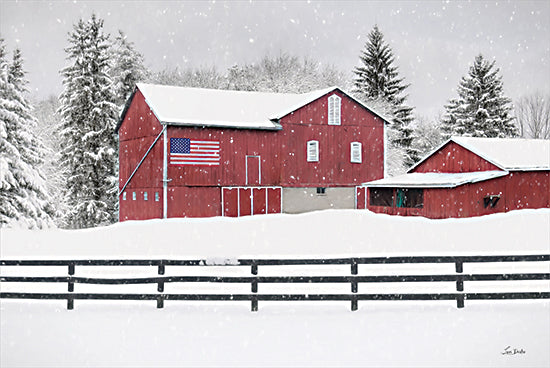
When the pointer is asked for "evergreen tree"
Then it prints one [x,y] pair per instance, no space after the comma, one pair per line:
[377,83]
[127,68]
[88,119]
[481,109]
[23,195]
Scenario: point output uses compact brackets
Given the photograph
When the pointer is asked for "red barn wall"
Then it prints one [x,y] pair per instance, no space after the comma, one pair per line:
[283,153]
[194,191]
[453,158]
[136,134]
[518,190]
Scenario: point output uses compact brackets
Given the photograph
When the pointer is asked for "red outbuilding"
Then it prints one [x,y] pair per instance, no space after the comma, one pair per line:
[467,177]
[191,152]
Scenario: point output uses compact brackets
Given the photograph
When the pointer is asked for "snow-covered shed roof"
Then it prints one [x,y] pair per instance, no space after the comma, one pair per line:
[506,153]
[435,180]
[187,106]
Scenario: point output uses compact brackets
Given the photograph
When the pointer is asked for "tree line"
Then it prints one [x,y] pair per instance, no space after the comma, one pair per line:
[59,159]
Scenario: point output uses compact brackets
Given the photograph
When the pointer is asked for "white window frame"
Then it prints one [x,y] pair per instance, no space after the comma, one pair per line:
[134,196]
[312,151]
[145,196]
[157,198]
[334,111]
[356,152]
[124,196]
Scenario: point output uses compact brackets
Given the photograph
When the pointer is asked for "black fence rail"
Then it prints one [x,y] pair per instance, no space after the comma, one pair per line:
[254,297]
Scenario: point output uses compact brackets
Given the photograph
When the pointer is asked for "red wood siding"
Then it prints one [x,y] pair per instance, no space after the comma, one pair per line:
[283,153]
[517,190]
[282,158]
[453,158]
[136,134]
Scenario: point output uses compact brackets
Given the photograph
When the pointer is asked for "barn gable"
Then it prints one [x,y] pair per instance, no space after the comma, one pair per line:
[465,154]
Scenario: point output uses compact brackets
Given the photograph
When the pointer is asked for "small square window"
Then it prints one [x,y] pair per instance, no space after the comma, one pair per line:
[156,196]
[321,190]
[124,196]
[134,196]
[144,196]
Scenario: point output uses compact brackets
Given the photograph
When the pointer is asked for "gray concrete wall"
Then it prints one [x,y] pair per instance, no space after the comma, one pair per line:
[298,200]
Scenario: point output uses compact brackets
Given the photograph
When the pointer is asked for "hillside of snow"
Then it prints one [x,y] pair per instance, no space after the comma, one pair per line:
[316,234]
[499,333]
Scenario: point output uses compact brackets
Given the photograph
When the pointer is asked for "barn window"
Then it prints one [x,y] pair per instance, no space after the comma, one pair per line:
[156,196]
[144,196]
[409,198]
[356,153]
[334,110]
[312,151]
[134,196]
[124,196]
[381,197]
[321,190]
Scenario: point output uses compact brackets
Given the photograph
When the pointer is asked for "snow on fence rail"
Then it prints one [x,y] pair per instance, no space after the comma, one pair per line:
[254,297]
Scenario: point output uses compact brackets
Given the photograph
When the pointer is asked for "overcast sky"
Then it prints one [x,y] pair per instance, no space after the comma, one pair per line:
[434,41]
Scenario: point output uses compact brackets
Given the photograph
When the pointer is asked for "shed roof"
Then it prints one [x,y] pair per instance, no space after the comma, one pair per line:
[506,153]
[435,180]
[186,106]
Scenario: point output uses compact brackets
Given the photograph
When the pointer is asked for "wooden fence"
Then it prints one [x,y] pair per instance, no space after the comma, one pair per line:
[254,280]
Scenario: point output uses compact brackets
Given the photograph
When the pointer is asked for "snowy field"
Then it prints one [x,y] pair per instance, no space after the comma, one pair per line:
[379,334]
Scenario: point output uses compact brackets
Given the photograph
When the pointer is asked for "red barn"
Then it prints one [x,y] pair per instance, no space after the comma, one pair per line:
[467,177]
[190,152]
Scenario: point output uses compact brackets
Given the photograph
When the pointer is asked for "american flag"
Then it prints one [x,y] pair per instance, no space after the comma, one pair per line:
[185,151]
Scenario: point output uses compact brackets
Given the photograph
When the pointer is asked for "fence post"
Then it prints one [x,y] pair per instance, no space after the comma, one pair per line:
[458,266]
[71,269]
[254,285]
[460,301]
[354,303]
[161,269]
[160,287]
[70,303]
[254,268]
[160,302]
[353,266]
[254,306]
[460,283]
[353,286]
[70,285]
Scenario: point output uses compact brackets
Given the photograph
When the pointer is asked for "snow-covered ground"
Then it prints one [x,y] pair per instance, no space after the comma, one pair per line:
[126,333]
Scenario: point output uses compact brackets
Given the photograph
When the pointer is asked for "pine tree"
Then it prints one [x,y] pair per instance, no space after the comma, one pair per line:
[127,68]
[481,109]
[23,195]
[88,119]
[377,83]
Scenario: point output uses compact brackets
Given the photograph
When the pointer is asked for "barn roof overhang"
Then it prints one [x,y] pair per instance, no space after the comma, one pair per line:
[435,180]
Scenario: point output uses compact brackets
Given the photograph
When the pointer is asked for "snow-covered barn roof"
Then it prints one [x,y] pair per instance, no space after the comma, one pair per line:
[435,180]
[185,106]
[506,153]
